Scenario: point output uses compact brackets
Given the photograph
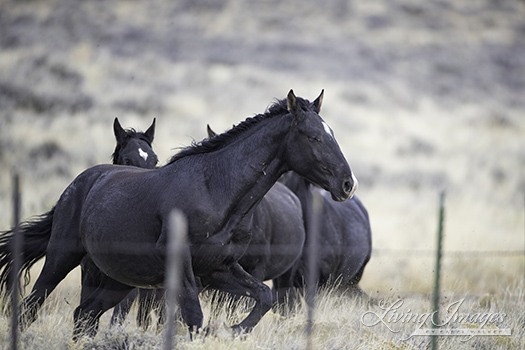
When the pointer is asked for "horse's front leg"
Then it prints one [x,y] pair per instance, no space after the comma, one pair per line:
[284,292]
[239,282]
[188,295]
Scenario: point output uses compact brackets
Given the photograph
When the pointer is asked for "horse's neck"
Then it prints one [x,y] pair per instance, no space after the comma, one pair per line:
[252,164]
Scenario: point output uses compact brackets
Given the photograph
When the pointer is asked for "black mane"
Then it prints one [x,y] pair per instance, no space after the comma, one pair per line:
[130,134]
[280,107]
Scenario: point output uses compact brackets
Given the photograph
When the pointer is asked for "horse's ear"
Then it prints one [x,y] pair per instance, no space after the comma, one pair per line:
[211,133]
[120,133]
[150,133]
[291,101]
[318,102]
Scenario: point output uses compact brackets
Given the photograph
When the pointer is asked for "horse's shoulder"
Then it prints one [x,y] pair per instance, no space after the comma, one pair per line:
[281,197]
[357,206]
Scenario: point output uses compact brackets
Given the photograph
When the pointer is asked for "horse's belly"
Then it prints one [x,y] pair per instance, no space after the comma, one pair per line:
[282,259]
[140,270]
[125,257]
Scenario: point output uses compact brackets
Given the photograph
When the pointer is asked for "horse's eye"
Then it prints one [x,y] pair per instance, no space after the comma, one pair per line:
[314,139]
[127,161]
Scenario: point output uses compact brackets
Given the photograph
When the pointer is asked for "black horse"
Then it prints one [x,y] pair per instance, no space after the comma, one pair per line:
[135,149]
[118,215]
[345,239]
[277,242]
[345,242]
[132,148]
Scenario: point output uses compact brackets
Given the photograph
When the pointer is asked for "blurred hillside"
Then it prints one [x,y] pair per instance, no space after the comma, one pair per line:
[422,96]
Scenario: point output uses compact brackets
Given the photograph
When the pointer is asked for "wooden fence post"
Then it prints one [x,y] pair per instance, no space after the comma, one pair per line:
[312,261]
[15,251]
[178,228]
[437,275]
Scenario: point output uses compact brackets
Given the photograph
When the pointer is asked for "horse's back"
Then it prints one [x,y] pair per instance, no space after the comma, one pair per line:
[68,209]
[120,197]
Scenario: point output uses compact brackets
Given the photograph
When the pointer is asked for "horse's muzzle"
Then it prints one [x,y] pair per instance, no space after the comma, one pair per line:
[349,188]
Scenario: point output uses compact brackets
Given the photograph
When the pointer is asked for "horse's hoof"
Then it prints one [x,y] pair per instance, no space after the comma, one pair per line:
[241,332]
[211,329]
[218,329]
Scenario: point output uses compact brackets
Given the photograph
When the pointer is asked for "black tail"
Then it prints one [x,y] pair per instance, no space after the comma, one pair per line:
[35,233]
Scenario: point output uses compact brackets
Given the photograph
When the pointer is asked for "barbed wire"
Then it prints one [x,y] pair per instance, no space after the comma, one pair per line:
[429,253]
[407,294]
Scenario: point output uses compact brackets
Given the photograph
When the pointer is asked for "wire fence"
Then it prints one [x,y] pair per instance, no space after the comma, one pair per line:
[173,267]
[430,253]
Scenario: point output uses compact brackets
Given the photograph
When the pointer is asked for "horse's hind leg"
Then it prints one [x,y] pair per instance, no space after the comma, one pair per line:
[159,301]
[149,300]
[57,266]
[123,308]
[239,282]
[108,294]
[64,250]
[91,277]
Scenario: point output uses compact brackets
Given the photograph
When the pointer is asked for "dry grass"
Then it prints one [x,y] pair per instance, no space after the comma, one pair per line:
[341,322]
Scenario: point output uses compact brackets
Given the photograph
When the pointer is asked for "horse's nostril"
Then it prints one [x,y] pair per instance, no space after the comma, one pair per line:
[347,186]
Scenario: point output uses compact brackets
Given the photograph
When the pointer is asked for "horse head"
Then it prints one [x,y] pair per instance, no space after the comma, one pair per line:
[134,148]
[313,152]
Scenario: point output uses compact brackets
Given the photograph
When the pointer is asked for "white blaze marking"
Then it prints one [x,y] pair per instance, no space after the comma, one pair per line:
[328,130]
[143,154]
[356,185]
